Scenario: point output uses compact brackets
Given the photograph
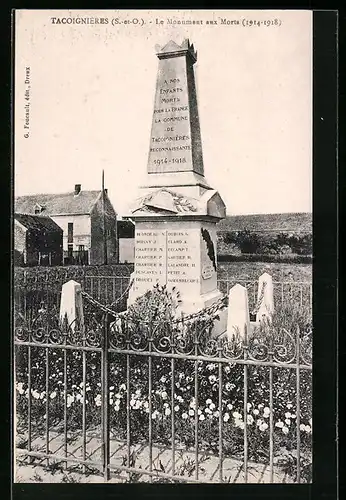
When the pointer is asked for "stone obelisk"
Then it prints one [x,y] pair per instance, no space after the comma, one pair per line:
[176,213]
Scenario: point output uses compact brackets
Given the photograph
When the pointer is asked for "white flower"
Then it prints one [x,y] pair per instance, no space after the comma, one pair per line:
[202,417]
[20,388]
[249,406]
[184,416]
[287,421]
[226,417]
[165,405]
[111,401]
[111,388]
[164,395]
[307,428]
[240,424]
[217,414]
[212,379]
[211,366]
[167,411]
[122,387]
[302,427]
[263,426]
[208,401]
[176,408]
[118,396]
[227,369]
[207,410]
[35,394]
[260,406]
[288,414]
[163,379]
[266,410]
[199,411]
[259,422]
[138,392]
[293,415]
[250,419]
[256,412]
[191,412]
[279,424]
[229,406]
[212,406]
[53,395]
[285,430]
[289,406]
[236,415]
[132,402]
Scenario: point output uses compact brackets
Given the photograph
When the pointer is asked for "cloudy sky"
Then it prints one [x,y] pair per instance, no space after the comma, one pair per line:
[91,102]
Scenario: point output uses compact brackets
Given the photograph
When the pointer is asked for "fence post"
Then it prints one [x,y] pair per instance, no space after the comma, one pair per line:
[265,297]
[298,400]
[71,305]
[105,398]
[238,312]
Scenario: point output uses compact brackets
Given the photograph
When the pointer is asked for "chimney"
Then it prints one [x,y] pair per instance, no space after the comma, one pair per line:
[77,189]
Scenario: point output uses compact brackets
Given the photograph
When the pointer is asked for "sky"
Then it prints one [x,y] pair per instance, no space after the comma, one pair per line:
[92,92]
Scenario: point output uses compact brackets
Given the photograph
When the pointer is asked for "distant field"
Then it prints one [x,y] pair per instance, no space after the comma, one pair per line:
[252,270]
[290,222]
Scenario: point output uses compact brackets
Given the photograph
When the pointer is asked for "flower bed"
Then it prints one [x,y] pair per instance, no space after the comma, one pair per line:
[174,386]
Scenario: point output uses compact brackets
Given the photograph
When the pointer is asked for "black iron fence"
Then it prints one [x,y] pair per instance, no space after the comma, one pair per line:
[146,401]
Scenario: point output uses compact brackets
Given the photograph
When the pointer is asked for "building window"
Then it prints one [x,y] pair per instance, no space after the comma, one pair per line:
[81,248]
[38,209]
[70,232]
[70,251]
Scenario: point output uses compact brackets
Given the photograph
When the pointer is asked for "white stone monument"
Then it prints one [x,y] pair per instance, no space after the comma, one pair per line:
[71,305]
[176,213]
[265,298]
[238,312]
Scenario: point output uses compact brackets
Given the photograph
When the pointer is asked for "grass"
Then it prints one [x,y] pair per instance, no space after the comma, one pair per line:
[276,223]
[252,271]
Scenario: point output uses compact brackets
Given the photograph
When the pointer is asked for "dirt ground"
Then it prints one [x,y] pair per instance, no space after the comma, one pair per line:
[209,465]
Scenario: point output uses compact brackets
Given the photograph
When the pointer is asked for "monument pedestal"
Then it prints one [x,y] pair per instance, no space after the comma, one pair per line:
[176,213]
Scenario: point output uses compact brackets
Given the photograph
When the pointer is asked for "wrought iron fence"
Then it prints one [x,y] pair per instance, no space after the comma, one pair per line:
[163,401]
[29,294]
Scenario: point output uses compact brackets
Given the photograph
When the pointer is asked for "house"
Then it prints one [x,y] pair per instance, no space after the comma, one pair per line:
[126,241]
[88,221]
[38,240]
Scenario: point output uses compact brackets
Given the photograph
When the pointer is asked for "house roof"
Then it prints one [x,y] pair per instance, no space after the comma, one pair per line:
[38,222]
[58,204]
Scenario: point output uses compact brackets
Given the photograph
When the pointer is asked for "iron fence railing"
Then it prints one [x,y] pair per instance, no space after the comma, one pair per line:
[28,295]
[153,400]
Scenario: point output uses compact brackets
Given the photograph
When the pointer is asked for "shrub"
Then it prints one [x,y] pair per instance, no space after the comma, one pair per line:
[276,258]
[270,243]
